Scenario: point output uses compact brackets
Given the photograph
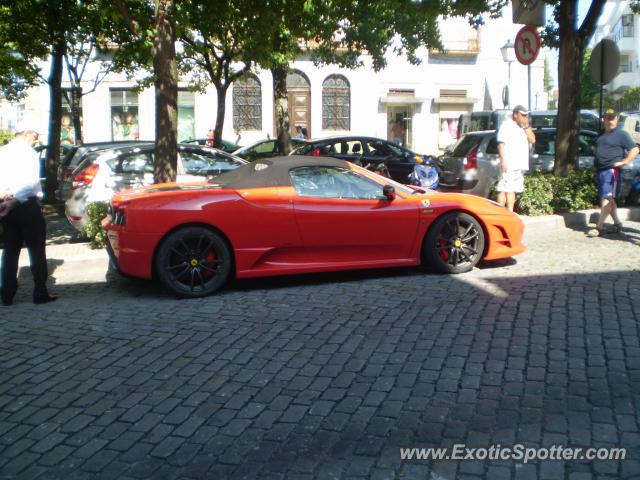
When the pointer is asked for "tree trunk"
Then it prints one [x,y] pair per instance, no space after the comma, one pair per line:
[76,96]
[221,92]
[55,119]
[570,55]
[569,79]
[166,85]
[281,102]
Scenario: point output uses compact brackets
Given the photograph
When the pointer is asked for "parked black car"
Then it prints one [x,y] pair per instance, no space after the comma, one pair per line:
[265,149]
[365,151]
[224,145]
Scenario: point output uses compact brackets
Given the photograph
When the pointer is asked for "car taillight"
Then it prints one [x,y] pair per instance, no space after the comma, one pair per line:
[85,177]
[471,161]
[316,152]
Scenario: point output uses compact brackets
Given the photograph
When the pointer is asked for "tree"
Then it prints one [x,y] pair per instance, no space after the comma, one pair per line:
[215,40]
[83,46]
[155,31]
[16,73]
[571,42]
[631,99]
[33,31]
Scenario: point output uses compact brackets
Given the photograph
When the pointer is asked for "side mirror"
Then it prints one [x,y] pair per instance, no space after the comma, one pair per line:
[389,192]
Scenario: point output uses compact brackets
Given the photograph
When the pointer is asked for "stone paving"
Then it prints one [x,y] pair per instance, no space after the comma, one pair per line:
[328,376]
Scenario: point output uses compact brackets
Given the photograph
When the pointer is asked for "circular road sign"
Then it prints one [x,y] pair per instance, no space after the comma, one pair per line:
[604,61]
[527,45]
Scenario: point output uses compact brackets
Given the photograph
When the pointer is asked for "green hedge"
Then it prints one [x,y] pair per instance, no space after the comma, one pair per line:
[93,230]
[6,135]
[546,194]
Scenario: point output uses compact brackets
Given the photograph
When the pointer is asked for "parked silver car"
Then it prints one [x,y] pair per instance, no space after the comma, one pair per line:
[543,154]
[473,163]
[106,171]
[77,154]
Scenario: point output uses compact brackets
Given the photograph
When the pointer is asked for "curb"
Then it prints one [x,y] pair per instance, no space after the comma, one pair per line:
[582,218]
[78,252]
[69,252]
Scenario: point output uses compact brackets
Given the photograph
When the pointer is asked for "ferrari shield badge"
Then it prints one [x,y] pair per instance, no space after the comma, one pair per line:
[426,203]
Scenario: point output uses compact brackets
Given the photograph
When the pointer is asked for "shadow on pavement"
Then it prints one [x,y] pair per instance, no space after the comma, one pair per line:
[328,379]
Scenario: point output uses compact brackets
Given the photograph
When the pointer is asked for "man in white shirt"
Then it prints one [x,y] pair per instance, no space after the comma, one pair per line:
[514,137]
[21,215]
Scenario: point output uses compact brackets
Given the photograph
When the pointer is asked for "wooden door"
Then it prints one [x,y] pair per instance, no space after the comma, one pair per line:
[300,110]
[299,103]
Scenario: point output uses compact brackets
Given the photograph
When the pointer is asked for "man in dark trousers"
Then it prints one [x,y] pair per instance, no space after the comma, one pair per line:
[21,215]
[614,149]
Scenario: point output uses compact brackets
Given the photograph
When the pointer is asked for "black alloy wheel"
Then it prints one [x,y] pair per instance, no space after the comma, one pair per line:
[193,262]
[454,243]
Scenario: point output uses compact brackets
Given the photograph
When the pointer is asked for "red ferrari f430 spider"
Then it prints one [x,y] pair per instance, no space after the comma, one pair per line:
[298,214]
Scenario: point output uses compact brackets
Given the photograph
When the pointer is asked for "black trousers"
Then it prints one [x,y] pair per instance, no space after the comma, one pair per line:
[24,224]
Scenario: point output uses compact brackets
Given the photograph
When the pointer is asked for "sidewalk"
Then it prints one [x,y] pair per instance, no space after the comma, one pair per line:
[575,220]
[79,252]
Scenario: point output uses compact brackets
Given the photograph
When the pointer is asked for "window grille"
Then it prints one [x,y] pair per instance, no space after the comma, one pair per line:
[247,104]
[336,103]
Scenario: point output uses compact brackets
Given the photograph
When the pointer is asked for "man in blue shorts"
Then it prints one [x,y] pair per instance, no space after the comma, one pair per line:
[614,149]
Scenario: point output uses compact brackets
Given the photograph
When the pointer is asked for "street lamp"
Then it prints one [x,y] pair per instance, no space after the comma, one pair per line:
[508,55]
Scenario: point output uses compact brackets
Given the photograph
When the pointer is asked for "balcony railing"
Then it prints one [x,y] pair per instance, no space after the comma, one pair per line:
[459,44]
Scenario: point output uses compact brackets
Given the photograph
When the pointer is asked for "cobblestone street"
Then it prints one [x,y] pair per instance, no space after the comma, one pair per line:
[329,376]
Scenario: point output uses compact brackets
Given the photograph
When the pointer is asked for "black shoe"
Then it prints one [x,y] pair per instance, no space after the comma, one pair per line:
[7,302]
[47,299]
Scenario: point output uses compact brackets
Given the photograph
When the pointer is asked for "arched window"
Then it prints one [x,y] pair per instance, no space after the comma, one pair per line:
[247,103]
[336,103]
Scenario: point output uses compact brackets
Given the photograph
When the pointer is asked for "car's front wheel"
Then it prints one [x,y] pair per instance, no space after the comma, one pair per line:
[454,243]
[193,262]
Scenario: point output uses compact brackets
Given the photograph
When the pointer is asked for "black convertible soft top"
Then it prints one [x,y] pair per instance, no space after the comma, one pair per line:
[272,172]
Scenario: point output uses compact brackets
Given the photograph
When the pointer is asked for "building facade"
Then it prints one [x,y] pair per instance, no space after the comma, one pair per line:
[620,24]
[423,101]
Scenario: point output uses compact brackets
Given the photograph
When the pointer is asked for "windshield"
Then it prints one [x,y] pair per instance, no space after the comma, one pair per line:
[465,144]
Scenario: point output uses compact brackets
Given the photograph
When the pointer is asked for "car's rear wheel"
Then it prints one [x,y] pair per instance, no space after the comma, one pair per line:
[193,262]
[454,243]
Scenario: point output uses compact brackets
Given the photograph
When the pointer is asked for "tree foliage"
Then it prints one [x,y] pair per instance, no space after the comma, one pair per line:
[590,93]
[33,31]
[218,45]
[631,99]
[342,31]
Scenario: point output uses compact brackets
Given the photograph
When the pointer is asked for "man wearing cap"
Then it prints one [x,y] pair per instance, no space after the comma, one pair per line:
[514,137]
[614,149]
[21,215]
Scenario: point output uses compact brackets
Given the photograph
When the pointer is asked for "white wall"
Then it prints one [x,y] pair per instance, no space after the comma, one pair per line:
[368,113]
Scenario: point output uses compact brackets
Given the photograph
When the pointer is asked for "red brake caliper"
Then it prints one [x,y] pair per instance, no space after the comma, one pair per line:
[206,274]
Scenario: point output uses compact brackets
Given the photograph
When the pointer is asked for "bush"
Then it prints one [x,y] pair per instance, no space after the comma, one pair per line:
[93,231]
[544,193]
[537,197]
[6,135]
